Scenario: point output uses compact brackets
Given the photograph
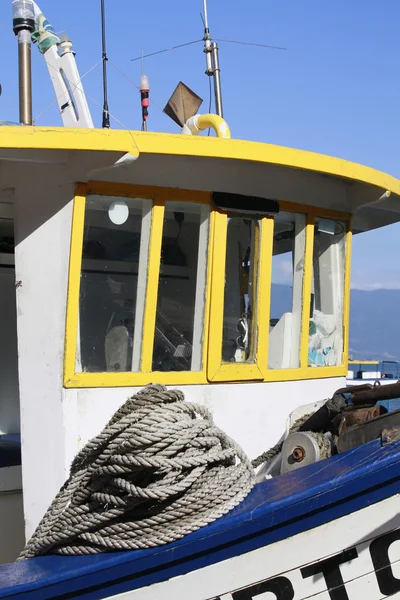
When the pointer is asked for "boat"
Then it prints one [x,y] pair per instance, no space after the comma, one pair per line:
[385,371]
[134,264]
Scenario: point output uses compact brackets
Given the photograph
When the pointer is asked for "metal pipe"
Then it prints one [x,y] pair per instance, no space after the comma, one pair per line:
[212,63]
[205,14]
[354,389]
[207,42]
[106,114]
[25,77]
[378,392]
[217,79]
[23,12]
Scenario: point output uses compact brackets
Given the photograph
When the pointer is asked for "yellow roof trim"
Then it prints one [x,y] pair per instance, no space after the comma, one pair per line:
[135,142]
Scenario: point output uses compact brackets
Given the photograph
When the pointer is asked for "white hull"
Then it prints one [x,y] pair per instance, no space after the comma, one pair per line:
[276,572]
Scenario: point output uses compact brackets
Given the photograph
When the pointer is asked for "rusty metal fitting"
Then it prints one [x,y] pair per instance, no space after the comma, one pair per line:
[299,454]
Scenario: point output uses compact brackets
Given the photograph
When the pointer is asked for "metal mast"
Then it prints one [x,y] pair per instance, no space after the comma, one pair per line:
[106,114]
[23,25]
[212,62]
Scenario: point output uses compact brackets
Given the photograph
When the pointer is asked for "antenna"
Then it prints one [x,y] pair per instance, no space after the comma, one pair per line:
[144,96]
[212,62]
[106,114]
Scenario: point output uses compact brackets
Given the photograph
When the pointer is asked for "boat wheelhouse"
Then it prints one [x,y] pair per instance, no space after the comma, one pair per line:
[142,265]
[215,264]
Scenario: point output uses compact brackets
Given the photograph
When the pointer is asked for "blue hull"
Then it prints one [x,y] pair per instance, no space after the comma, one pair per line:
[275,510]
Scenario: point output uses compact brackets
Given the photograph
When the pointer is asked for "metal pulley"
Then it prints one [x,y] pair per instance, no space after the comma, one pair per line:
[299,449]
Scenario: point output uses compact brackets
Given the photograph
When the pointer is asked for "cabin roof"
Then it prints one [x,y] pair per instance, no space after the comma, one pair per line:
[211,164]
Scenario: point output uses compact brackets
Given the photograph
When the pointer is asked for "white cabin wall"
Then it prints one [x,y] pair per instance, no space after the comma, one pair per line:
[43,233]
[253,414]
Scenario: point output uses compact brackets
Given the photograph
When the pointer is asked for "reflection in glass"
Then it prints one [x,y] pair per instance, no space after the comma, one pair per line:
[242,248]
[113,283]
[178,338]
[327,299]
[287,290]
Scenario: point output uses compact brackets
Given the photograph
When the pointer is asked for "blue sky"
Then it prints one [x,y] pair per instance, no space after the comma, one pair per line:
[336,90]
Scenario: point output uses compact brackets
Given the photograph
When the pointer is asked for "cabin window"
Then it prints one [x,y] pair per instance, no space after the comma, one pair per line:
[240,292]
[167,287]
[139,313]
[182,282]
[327,294]
[287,290]
[113,283]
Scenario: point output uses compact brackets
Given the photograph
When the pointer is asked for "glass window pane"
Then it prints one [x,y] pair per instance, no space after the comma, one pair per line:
[178,339]
[242,250]
[327,299]
[113,283]
[287,291]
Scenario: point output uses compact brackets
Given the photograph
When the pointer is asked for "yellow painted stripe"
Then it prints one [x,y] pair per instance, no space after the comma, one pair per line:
[217,295]
[363,362]
[106,188]
[74,280]
[207,308]
[307,285]
[238,372]
[264,293]
[60,138]
[153,275]
[117,380]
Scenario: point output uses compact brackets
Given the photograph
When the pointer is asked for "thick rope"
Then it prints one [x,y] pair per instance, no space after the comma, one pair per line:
[324,444]
[158,471]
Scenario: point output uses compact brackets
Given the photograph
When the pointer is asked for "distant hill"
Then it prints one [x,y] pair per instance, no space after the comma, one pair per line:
[375,325]
[374,321]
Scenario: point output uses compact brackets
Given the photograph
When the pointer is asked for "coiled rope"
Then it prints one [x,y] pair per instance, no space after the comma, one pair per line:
[159,470]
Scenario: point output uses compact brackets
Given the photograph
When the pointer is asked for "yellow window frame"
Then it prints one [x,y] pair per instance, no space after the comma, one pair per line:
[212,367]
[259,371]
[159,196]
[246,371]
